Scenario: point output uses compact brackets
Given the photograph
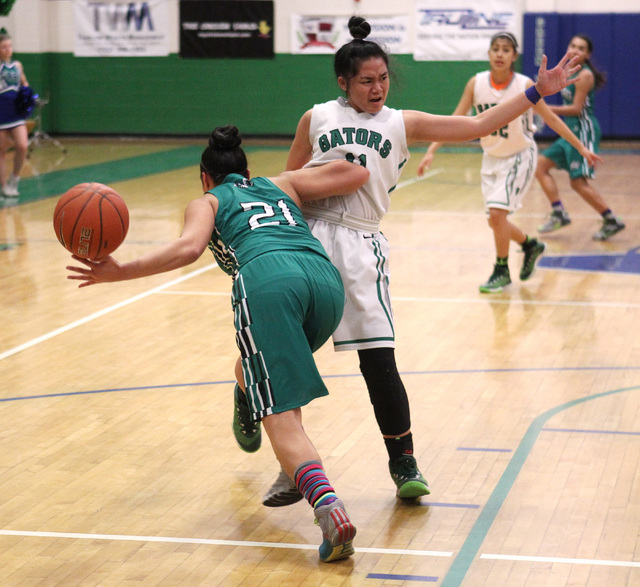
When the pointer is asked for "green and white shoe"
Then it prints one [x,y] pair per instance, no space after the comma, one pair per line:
[557,219]
[531,253]
[408,479]
[248,433]
[499,279]
[610,226]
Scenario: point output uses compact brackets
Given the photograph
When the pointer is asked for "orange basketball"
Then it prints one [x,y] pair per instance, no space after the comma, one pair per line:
[91,220]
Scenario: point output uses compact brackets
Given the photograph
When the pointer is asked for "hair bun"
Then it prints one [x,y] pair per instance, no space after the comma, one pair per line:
[225,138]
[359,27]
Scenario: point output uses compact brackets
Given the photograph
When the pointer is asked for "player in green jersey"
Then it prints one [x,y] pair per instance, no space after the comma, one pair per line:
[287,299]
[577,110]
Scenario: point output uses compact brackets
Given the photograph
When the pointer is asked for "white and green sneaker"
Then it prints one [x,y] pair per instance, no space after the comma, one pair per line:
[248,434]
[610,226]
[557,219]
[408,479]
[532,251]
[499,279]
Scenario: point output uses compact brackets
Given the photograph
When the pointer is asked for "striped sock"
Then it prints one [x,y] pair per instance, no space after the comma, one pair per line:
[312,482]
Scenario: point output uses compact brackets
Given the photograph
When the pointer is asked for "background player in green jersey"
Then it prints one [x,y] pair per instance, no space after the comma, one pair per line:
[287,298]
[577,109]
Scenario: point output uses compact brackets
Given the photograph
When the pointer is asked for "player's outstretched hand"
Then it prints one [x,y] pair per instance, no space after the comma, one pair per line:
[553,80]
[591,157]
[425,163]
[102,271]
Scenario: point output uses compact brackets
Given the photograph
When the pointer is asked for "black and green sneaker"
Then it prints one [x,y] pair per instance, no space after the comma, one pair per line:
[408,479]
[499,279]
[532,250]
[247,432]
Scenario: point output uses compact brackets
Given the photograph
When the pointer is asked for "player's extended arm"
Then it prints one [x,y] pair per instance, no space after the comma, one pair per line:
[559,126]
[335,178]
[464,105]
[186,249]
[300,151]
[429,127]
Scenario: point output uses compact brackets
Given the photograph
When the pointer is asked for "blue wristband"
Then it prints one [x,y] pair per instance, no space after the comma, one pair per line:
[532,95]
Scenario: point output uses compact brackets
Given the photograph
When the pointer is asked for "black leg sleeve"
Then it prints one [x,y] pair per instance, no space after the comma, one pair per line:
[386,390]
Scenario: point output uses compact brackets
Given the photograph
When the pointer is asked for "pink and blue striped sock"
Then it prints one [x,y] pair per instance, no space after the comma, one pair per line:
[312,482]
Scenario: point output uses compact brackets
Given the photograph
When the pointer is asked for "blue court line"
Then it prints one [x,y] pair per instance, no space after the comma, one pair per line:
[445,372]
[115,390]
[385,576]
[467,554]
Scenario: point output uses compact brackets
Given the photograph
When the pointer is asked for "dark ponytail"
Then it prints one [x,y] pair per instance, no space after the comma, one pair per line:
[224,155]
[348,58]
[599,76]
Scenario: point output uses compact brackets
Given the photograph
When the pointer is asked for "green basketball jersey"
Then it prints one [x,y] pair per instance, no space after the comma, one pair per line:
[586,117]
[255,217]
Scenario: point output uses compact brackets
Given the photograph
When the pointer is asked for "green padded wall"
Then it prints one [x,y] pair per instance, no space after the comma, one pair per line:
[175,96]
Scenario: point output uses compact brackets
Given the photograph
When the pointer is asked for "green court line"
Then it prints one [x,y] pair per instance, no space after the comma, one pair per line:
[465,557]
[55,183]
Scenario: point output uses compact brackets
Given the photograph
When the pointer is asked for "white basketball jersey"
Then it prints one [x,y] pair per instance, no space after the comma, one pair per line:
[518,134]
[377,141]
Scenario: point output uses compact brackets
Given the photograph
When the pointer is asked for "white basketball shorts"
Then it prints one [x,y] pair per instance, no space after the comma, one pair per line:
[363,261]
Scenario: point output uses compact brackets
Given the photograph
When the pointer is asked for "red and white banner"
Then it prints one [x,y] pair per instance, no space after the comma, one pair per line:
[460,30]
[326,34]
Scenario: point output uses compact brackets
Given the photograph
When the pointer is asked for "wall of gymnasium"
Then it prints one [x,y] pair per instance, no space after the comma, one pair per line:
[266,97]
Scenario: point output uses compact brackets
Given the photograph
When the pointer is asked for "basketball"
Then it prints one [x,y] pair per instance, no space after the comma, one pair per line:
[91,220]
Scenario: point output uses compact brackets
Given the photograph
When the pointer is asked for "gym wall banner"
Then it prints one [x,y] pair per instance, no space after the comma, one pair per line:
[326,34]
[115,28]
[460,30]
[235,28]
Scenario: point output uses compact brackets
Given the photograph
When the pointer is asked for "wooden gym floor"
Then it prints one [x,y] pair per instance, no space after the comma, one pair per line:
[117,461]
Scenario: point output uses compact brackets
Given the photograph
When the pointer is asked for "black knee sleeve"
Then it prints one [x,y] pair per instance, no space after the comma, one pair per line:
[386,390]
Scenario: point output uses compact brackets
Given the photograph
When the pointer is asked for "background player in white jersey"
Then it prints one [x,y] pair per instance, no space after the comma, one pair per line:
[361,128]
[510,155]
[13,126]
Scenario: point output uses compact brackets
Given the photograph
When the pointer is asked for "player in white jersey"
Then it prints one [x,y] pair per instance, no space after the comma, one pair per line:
[361,128]
[13,127]
[510,156]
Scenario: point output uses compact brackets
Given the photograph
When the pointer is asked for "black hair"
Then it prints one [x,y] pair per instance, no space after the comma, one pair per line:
[348,58]
[505,35]
[599,76]
[224,155]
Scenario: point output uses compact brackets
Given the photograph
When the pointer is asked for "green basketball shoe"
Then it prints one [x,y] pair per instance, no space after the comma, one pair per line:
[247,432]
[408,479]
[499,279]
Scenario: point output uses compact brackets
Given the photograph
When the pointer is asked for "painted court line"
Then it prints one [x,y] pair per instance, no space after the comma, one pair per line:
[553,559]
[512,302]
[99,314]
[471,546]
[413,180]
[211,541]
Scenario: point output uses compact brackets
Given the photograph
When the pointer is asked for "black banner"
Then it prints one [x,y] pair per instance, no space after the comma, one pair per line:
[226,28]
